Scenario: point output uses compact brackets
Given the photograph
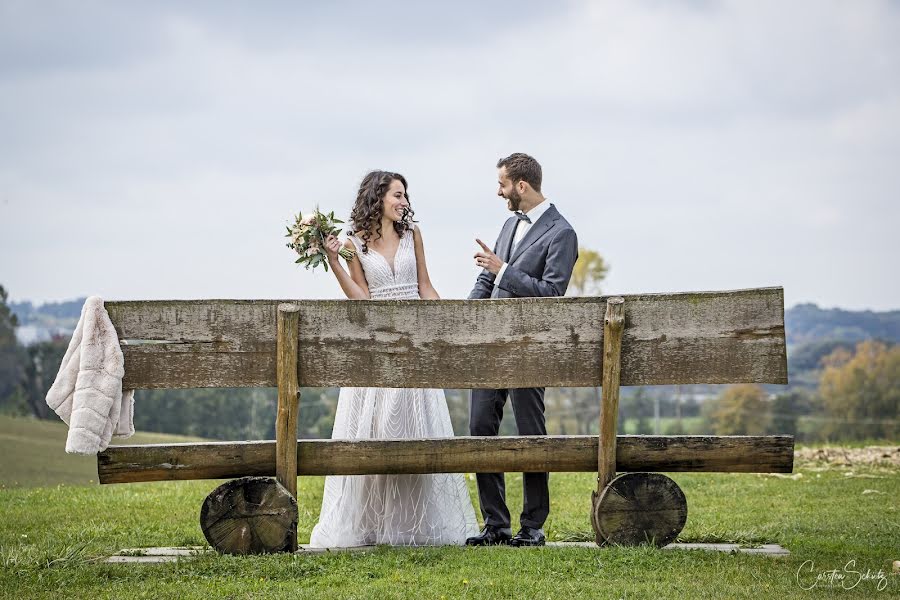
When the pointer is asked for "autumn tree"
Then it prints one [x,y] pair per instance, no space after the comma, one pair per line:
[13,362]
[44,360]
[860,392]
[589,272]
[639,407]
[740,410]
[787,408]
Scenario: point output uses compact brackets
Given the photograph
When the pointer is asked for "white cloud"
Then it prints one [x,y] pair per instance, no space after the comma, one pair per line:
[695,145]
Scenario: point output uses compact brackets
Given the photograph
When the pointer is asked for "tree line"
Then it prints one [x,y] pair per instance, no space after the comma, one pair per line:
[857,398]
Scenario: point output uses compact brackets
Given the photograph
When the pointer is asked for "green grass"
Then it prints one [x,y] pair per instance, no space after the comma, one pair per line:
[52,537]
[32,453]
[691,425]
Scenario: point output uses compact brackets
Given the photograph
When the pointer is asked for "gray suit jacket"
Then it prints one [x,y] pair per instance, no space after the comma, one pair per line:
[541,264]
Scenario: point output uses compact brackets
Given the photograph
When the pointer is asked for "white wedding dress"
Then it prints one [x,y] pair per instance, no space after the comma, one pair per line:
[416,510]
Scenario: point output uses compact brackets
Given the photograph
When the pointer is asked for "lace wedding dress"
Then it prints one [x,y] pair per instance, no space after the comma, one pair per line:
[359,510]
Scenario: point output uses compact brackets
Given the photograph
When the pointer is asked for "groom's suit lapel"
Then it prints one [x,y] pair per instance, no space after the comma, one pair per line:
[504,246]
[542,226]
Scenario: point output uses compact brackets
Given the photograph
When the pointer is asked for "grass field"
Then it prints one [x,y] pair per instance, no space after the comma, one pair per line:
[56,526]
[691,425]
[33,454]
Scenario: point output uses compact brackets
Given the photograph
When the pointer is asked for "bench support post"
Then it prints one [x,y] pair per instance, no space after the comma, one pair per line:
[609,400]
[633,508]
[613,324]
[288,323]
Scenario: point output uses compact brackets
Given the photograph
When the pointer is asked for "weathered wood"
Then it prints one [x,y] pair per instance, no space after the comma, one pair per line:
[609,401]
[640,508]
[288,403]
[219,460]
[251,515]
[697,337]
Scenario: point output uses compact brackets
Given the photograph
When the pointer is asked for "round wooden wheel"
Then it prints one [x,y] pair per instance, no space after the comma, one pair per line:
[639,508]
[250,515]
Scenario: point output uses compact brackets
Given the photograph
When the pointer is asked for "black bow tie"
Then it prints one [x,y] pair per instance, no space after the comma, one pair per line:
[522,216]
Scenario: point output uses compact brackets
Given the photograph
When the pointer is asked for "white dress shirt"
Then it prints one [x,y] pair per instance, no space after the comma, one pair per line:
[522,228]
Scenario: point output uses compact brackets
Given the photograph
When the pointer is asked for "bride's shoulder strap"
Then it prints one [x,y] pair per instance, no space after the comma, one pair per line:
[357,243]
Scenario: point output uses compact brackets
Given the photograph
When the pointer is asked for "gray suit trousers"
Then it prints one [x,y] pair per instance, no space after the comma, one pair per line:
[485,413]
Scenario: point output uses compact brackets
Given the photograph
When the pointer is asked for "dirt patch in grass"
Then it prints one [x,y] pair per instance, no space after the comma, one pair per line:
[875,456]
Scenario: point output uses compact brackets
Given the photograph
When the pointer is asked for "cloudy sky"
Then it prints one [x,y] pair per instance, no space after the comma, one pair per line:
[155,150]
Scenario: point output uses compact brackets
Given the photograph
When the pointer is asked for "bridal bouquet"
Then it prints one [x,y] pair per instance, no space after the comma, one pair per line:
[308,236]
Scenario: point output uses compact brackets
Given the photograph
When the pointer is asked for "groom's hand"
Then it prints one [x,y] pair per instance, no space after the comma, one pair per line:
[487,259]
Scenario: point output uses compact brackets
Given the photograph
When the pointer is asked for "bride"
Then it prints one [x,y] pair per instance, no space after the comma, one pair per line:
[417,510]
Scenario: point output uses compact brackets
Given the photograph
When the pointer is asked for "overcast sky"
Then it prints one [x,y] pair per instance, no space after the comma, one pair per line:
[156,150]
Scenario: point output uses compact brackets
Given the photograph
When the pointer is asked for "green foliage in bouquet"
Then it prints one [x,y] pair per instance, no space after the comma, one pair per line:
[307,238]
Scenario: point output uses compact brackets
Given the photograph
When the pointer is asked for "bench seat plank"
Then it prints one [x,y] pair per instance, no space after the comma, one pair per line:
[221,460]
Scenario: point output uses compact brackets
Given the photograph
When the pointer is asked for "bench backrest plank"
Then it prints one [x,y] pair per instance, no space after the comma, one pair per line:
[683,338]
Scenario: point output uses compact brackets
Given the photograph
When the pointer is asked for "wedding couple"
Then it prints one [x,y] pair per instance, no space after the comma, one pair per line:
[534,256]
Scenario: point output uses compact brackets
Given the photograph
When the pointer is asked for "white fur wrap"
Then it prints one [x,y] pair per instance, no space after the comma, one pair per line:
[87,393]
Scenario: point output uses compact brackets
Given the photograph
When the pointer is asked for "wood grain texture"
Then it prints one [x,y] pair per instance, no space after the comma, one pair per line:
[219,460]
[609,401]
[639,508]
[250,515]
[695,337]
[288,403]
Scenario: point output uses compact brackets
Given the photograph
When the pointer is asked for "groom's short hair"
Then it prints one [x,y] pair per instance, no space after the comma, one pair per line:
[521,167]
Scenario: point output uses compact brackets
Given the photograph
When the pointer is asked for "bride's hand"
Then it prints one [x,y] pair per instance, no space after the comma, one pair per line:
[332,247]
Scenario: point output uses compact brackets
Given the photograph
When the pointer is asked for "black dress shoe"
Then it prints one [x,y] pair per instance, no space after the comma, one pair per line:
[490,536]
[528,536]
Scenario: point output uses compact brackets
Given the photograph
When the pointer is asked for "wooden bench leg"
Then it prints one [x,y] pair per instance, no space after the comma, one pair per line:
[613,324]
[633,508]
[250,515]
[258,515]
[639,508]
[288,402]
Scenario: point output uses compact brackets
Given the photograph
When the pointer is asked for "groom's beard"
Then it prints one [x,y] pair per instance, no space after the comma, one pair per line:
[514,200]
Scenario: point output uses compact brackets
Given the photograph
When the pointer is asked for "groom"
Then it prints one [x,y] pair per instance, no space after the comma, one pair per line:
[533,256]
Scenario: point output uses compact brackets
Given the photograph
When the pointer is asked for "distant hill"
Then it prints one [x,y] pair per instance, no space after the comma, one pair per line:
[813,333]
[806,323]
[39,323]
[29,313]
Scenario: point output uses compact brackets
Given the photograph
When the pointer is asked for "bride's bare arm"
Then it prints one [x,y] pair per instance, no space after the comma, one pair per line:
[426,290]
[354,283]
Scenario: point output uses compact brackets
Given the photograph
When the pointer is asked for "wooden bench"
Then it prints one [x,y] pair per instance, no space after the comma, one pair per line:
[646,339]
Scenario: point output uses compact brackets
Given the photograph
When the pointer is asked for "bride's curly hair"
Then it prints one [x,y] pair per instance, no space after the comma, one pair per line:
[369,207]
